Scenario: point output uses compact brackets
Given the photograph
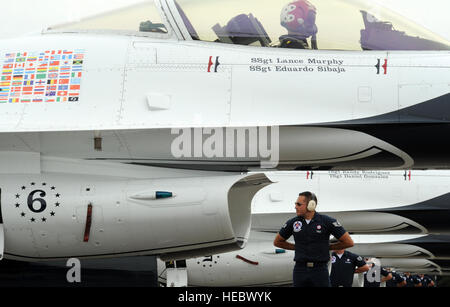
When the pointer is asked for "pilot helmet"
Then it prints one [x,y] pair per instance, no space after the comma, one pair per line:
[299,17]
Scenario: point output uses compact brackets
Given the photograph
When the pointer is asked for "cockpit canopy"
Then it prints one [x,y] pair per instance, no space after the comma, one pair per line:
[301,24]
[141,18]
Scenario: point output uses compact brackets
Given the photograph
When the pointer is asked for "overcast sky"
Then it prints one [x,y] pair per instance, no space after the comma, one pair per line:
[26,16]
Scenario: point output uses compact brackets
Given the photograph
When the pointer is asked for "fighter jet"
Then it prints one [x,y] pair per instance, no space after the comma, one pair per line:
[405,213]
[89,108]
[317,84]
[262,264]
[365,202]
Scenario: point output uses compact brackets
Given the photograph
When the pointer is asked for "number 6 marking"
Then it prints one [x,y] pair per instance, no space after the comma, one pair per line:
[31,201]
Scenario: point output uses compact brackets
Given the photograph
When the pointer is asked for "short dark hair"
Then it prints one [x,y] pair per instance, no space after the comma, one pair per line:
[309,196]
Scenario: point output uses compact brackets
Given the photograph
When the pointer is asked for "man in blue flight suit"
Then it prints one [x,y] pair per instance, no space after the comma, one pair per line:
[343,264]
[311,232]
[385,276]
[396,281]
[412,280]
[426,281]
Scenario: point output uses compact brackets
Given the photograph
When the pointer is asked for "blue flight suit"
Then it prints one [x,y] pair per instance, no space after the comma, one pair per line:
[412,281]
[396,279]
[343,268]
[375,284]
[312,243]
[426,281]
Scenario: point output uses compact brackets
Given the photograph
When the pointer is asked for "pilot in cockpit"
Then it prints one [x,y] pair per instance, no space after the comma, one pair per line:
[299,18]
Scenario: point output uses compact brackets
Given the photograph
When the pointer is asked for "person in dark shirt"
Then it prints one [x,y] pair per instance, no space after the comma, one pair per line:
[384,276]
[396,281]
[426,281]
[311,232]
[344,265]
[412,280]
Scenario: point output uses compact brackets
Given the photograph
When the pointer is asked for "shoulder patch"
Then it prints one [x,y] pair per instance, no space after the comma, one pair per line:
[297,226]
[337,224]
[359,258]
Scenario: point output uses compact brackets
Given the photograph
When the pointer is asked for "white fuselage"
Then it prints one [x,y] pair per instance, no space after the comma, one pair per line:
[143,96]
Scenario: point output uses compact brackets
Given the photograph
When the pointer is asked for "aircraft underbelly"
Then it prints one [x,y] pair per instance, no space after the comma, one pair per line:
[299,147]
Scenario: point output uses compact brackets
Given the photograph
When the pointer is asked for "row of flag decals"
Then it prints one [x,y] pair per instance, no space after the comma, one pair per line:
[49,76]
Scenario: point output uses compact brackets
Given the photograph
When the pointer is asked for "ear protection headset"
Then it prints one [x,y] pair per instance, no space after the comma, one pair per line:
[312,204]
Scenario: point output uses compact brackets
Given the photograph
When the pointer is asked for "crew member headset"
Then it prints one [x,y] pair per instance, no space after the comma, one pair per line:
[312,204]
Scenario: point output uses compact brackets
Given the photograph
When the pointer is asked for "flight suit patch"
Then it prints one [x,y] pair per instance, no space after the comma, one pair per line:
[297,226]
